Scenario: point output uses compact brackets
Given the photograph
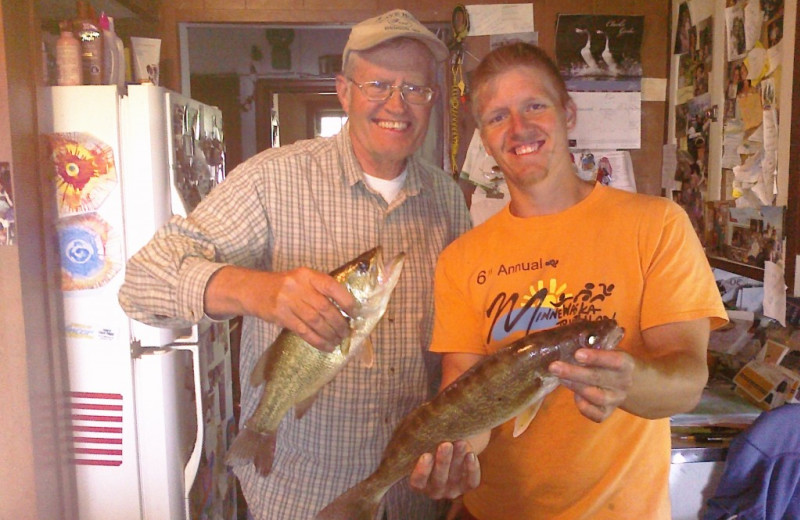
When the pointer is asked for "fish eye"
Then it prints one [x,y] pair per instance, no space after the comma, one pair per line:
[592,339]
[363,266]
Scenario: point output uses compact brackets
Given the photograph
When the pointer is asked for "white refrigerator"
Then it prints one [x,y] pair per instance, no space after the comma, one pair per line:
[151,409]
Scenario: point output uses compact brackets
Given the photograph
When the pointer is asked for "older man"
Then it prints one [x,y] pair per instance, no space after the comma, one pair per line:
[260,244]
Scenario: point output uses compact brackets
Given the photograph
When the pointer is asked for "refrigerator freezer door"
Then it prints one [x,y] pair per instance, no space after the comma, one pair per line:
[145,183]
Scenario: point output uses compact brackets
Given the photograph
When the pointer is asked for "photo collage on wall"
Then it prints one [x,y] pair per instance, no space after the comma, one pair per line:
[743,216]
[693,45]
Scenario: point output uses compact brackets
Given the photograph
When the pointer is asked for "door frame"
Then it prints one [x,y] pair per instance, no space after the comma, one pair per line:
[264,90]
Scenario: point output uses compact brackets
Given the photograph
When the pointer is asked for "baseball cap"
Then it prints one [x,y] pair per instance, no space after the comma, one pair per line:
[398,23]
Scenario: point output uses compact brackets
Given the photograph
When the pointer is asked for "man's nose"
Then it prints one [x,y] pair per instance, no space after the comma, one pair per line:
[397,99]
[517,121]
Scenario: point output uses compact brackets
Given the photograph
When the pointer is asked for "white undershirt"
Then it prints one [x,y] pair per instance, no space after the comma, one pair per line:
[387,188]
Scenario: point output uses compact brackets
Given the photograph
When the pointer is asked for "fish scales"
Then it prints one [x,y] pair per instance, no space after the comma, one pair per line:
[296,375]
[492,392]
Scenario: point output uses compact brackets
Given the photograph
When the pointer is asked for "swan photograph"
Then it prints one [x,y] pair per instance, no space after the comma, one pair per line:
[599,48]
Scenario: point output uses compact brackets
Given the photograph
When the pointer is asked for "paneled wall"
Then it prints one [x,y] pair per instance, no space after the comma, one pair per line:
[35,480]
[655,45]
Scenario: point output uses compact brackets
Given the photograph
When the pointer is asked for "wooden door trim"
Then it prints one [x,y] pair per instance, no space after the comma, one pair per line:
[264,90]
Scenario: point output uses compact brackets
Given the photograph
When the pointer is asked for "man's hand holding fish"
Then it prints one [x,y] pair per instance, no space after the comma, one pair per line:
[309,302]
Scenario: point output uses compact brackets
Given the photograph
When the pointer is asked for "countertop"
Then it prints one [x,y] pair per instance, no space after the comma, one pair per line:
[704,434]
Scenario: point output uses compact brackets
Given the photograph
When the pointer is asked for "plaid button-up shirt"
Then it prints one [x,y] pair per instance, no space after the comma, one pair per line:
[308,205]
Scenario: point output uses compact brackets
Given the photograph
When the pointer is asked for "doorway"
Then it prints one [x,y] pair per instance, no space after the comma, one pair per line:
[305,99]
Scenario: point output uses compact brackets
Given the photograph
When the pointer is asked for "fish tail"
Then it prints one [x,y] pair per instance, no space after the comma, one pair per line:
[252,446]
[358,503]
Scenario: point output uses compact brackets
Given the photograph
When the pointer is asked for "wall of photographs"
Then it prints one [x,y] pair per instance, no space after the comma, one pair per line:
[729,121]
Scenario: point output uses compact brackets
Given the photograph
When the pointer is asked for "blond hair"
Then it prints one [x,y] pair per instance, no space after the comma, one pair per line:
[510,56]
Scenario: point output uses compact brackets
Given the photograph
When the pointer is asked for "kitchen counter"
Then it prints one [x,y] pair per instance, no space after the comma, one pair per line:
[688,452]
[700,441]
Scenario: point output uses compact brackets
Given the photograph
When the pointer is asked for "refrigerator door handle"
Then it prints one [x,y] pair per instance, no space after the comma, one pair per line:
[191,336]
[193,464]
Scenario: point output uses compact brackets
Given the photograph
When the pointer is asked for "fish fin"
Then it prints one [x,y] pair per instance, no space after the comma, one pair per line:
[302,407]
[367,354]
[525,417]
[345,346]
[252,446]
[357,503]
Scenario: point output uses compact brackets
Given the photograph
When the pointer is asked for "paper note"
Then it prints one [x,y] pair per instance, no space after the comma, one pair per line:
[654,89]
[607,120]
[735,35]
[753,22]
[609,167]
[774,293]
[750,108]
[500,19]
[750,171]
[731,141]
[478,163]
[756,63]
[700,10]
[770,133]
[774,57]
[669,163]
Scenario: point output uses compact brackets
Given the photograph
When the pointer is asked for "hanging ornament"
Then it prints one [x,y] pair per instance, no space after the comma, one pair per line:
[460,23]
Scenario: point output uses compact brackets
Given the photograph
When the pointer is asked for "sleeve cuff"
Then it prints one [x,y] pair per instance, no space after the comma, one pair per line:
[192,288]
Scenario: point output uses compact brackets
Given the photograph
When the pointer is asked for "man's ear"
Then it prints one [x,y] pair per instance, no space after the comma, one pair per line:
[343,92]
[571,113]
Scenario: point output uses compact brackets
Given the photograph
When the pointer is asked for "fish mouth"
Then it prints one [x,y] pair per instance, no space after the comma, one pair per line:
[390,273]
[613,338]
[384,279]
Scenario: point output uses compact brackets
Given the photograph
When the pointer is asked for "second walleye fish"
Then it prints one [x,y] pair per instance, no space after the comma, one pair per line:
[501,386]
[293,371]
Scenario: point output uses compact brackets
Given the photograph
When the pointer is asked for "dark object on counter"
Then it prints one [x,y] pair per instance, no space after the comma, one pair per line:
[761,478]
[793,311]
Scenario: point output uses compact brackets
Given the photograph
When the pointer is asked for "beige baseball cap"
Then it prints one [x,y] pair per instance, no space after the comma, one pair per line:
[398,23]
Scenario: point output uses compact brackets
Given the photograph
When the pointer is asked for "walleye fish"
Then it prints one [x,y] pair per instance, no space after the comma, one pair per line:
[512,382]
[293,371]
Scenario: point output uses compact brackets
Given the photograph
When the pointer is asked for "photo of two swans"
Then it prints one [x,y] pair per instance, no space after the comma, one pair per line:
[599,47]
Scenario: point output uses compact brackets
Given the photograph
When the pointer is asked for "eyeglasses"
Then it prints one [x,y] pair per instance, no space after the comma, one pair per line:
[381,91]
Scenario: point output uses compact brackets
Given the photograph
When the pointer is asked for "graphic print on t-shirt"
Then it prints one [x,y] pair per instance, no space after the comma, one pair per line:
[544,303]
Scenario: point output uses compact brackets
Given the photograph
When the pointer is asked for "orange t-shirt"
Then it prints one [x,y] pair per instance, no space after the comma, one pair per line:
[631,257]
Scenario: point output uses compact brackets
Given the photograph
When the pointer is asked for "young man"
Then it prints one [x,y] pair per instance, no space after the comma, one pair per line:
[260,244]
[565,249]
